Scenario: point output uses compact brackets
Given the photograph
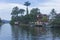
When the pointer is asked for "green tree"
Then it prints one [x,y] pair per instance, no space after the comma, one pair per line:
[27,4]
[15,11]
[45,18]
[33,14]
[0,20]
[53,13]
[21,11]
[56,21]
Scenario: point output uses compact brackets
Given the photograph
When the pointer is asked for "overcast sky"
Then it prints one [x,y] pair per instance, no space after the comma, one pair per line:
[45,6]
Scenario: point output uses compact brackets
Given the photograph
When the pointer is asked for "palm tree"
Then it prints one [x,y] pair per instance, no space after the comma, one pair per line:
[27,4]
[21,11]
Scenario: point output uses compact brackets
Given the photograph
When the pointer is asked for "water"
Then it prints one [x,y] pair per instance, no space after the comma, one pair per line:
[8,32]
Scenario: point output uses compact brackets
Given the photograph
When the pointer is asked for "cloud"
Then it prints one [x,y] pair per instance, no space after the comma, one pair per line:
[6,8]
[48,6]
[45,7]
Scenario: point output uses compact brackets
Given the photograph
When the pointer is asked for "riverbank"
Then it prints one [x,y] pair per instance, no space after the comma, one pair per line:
[1,23]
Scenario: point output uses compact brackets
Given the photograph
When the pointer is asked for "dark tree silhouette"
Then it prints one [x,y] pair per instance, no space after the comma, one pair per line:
[53,12]
[15,11]
[21,11]
[27,4]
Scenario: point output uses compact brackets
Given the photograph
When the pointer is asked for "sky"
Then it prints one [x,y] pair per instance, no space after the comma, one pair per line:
[45,6]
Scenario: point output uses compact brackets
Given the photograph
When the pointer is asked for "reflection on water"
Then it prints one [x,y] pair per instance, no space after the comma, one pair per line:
[15,32]
[56,33]
[8,32]
[5,32]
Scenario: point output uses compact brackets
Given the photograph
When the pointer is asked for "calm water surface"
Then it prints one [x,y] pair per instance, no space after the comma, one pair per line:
[8,32]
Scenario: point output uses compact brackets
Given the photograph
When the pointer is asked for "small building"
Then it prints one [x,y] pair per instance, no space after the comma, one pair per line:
[41,19]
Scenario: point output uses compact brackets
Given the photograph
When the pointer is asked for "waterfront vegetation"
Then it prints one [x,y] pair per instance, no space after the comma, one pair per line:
[29,17]
[55,19]
[18,15]
[25,24]
[0,21]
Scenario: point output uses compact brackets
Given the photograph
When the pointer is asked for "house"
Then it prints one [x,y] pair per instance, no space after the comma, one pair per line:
[42,19]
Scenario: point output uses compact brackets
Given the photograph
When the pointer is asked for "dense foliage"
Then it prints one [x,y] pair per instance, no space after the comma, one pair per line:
[18,15]
[0,21]
[55,19]
[31,17]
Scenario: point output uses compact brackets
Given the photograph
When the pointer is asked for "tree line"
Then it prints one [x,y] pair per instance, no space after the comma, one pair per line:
[18,15]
